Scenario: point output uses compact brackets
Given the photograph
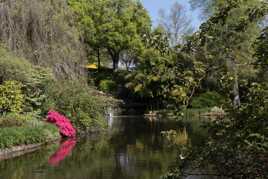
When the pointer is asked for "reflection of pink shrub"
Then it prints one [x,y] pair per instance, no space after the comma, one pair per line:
[63,151]
[63,123]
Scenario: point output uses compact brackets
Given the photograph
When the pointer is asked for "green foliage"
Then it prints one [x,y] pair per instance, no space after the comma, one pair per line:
[42,92]
[35,88]
[241,137]
[171,77]
[14,119]
[33,78]
[11,97]
[112,25]
[108,86]
[255,111]
[224,43]
[13,136]
[14,68]
[237,145]
[158,40]
[261,54]
[23,119]
[207,99]
[79,102]
[43,33]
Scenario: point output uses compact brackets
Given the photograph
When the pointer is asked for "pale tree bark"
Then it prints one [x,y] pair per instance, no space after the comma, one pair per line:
[232,67]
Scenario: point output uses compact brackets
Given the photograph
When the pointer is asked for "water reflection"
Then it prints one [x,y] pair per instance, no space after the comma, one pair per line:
[133,149]
[62,152]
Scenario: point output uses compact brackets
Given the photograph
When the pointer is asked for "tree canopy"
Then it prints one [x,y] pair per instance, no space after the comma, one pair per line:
[115,26]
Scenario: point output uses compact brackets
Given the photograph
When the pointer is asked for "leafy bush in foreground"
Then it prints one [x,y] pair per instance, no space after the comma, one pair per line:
[11,97]
[33,78]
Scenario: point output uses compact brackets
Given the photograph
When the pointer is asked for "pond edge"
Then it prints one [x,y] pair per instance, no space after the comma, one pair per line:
[19,150]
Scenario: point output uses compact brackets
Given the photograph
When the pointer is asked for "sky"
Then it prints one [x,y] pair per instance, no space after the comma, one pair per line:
[153,7]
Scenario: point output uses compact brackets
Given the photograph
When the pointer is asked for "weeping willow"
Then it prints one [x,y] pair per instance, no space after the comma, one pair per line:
[43,32]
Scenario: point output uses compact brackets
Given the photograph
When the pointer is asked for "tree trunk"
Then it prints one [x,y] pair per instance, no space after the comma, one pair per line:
[235,92]
[236,100]
[115,59]
[127,67]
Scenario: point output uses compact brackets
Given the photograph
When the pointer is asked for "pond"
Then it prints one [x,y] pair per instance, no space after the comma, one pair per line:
[132,149]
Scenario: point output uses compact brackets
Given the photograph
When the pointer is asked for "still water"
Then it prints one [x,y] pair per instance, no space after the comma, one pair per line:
[132,149]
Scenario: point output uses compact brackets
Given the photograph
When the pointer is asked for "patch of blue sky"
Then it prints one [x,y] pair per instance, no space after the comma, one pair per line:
[153,7]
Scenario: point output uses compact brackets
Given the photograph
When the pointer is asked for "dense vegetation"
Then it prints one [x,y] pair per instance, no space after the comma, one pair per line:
[223,64]
[41,68]
[43,33]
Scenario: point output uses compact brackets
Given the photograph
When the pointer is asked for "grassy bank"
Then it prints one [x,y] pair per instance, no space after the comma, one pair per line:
[14,136]
[25,129]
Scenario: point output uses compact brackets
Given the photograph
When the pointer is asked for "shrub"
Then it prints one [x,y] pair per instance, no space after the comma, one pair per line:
[13,68]
[44,33]
[33,78]
[35,88]
[207,99]
[107,86]
[77,102]
[12,119]
[15,119]
[11,97]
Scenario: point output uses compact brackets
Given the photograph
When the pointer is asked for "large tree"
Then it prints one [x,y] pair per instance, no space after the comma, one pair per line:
[114,25]
[165,75]
[262,55]
[224,43]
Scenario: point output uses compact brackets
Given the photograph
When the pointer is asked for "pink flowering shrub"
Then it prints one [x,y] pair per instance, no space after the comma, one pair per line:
[64,125]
